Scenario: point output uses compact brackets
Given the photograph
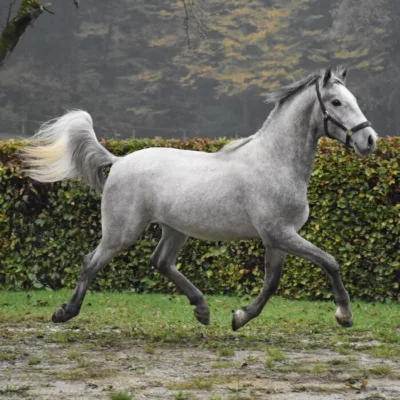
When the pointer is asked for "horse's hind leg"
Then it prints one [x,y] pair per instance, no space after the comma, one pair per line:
[94,262]
[164,258]
[273,264]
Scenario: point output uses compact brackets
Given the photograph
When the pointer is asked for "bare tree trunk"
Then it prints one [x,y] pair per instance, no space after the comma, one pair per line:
[29,11]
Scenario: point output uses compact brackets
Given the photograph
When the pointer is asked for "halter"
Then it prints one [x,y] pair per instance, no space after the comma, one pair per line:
[328,117]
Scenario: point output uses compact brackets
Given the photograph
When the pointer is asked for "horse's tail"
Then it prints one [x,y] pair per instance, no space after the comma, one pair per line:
[67,148]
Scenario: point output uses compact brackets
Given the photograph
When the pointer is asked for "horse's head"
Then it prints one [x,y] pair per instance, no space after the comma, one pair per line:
[339,116]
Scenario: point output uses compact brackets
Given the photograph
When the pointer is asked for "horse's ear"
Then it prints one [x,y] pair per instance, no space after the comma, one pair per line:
[327,75]
[343,73]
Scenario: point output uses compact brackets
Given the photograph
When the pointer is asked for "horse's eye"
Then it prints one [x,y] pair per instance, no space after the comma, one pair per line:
[336,103]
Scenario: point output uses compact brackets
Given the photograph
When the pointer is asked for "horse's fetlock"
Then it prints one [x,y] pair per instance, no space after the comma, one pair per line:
[162,265]
[197,300]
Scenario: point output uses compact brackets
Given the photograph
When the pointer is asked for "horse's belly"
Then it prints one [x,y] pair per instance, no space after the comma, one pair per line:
[210,226]
[240,233]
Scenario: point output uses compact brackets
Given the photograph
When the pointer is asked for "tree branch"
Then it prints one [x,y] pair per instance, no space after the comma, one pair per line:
[191,16]
[29,11]
[46,8]
[186,22]
[10,10]
[200,26]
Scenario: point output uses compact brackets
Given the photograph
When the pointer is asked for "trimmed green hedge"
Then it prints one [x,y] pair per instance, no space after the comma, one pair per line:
[45,230]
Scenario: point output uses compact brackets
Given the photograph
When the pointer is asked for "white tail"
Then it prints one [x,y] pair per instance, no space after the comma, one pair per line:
[67,148]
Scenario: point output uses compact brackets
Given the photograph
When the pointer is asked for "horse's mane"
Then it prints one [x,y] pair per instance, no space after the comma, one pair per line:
[237,143]
[284,93]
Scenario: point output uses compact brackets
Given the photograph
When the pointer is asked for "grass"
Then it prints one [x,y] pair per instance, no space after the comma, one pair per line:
[74,355]
[10,389]
[161,319]
[382,370]
[56,360]
[34,360]
[223,364]
[388,351]
[149,349]
[226,351]
[120,396]
[182,396]
[83,374]
[202,382]
[7,356]
[275,354]
[319,369]
[269,363]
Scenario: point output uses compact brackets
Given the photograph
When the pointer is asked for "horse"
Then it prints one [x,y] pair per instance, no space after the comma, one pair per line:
[254,187]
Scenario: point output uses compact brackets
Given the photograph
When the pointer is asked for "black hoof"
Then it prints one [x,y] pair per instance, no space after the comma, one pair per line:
[235,326]
[345,324]
[344,319]
[61,315]
[202,314]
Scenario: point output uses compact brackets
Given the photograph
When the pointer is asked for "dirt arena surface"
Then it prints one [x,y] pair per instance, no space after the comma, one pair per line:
[44,366]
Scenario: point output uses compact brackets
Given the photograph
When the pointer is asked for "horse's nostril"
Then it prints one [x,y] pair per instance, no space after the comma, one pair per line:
[370,141]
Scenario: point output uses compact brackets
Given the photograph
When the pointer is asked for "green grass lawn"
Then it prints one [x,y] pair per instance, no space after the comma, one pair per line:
[169,318]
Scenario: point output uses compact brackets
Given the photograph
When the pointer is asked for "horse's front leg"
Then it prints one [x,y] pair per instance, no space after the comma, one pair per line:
[273,264]
[292,243]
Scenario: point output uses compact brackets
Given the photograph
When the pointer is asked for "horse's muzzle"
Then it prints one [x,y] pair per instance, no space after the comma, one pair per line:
[364,141]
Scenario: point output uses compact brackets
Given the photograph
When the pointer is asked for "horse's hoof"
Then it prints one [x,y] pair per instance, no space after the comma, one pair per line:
[202,314]
[344,319]
[61,315]
[239,319]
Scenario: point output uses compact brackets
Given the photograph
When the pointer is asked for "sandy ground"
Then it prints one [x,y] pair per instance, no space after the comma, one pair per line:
[36,368]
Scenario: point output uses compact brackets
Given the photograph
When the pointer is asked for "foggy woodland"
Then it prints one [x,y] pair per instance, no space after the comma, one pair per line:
[148,68]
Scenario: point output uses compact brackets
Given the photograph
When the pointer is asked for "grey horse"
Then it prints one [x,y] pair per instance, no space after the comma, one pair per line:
[254,187]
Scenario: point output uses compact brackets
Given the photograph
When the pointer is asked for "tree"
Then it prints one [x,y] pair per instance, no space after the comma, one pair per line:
[30,10]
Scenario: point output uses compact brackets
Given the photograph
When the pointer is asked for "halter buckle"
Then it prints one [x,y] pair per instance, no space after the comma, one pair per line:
[325,114]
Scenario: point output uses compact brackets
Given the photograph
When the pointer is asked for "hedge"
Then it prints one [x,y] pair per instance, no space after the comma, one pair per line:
[46,229]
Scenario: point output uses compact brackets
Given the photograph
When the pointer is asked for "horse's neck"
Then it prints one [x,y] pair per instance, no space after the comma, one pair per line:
[288,135]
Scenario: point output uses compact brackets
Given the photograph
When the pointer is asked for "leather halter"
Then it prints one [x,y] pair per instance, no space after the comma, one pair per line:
[328,117]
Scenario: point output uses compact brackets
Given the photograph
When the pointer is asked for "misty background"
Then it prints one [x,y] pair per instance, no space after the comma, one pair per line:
[128,63]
